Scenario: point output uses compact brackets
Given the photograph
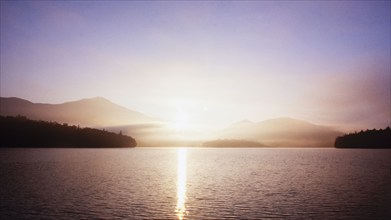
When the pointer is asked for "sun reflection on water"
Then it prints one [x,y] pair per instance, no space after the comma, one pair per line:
[181,184]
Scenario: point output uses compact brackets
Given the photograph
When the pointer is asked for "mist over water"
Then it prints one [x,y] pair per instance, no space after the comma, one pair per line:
[177,183]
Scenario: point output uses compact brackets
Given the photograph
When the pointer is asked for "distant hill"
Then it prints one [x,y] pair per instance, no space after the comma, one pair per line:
[22,132]
[282,132]
[232,143]
[93,112]
[101,113]
[365,139]
[97,113]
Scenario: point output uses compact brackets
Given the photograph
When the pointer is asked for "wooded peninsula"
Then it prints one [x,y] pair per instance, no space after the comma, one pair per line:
[22,132]
[365,139]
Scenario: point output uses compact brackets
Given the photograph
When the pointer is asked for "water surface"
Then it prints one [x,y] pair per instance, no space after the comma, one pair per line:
[171,183]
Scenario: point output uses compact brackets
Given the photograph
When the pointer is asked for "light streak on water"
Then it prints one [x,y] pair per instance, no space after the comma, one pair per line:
[181,184]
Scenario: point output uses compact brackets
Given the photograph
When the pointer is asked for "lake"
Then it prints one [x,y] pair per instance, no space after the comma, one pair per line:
[195,183]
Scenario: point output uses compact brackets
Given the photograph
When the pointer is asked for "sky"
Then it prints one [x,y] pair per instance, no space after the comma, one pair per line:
[205,62]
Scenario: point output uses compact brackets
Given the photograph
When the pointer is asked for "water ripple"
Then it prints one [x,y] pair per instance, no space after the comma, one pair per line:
[219,184]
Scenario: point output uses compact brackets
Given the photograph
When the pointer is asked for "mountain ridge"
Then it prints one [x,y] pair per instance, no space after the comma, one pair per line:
[100,112]
[96,111]
[277,132]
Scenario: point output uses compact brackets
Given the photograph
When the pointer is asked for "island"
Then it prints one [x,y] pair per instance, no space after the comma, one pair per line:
[22,132]
[365,139]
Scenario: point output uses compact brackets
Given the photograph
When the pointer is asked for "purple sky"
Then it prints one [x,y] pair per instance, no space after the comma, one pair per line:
[208,63]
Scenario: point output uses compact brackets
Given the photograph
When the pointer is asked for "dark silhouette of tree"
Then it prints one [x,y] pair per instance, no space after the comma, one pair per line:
[365,139]
[22,132]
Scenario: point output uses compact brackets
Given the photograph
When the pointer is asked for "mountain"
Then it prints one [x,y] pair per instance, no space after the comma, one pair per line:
[94,112]
[97,113]
[101,113]
[282,132]
[232,143]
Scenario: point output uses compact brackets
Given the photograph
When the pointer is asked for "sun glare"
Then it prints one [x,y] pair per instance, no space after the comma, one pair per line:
[181,184]
[181,121]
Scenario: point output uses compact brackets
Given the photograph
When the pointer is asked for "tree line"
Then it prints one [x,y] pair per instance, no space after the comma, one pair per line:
[365,139]
[22,132]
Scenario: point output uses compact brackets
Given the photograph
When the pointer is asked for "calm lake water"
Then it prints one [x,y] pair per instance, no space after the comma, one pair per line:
[175,183]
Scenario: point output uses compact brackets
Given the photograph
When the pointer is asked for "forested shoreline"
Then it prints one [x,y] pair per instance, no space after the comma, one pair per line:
[22,132]
[365,139]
